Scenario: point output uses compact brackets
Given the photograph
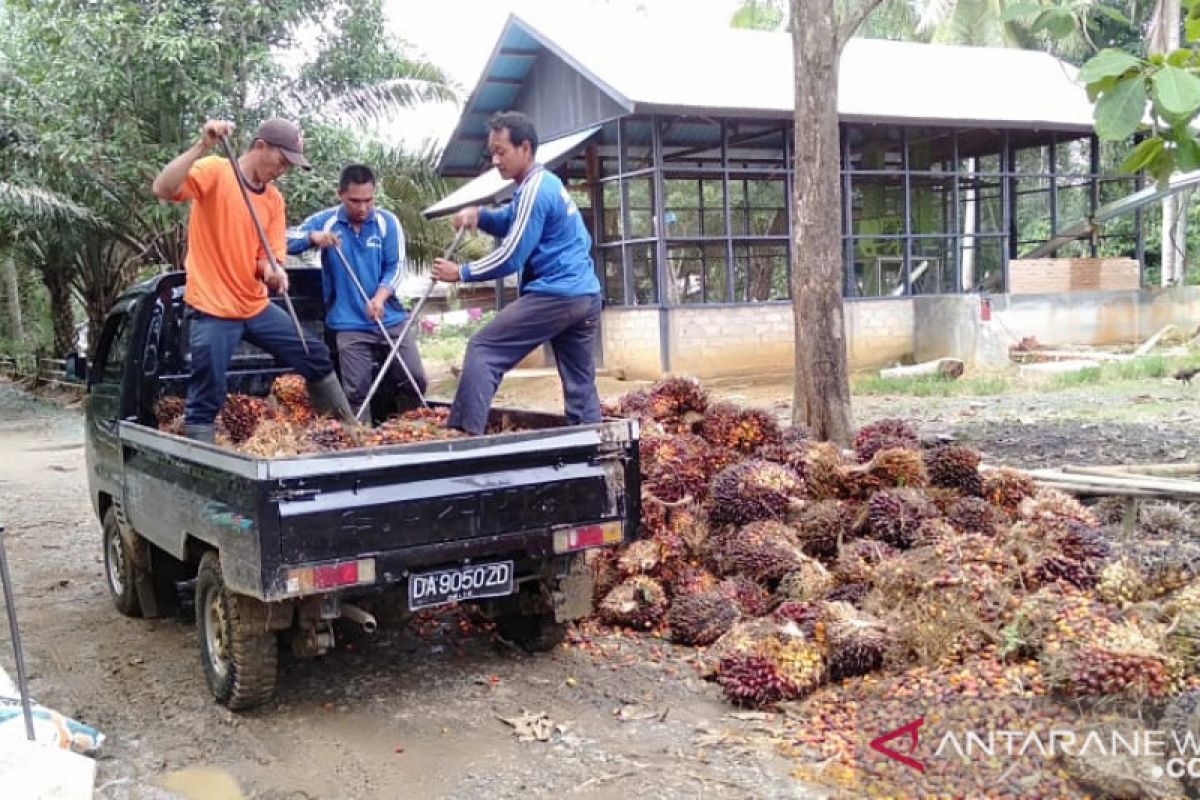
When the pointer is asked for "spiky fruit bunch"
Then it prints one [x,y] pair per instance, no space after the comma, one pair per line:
[671,400]
[804,615]
[701,619]
[855,641]
[633,404]
[763,551]
[1102,672]
[1185,601]
[675,467]
[1168,564]
[821,528]
[898,466]
[1181,714]
[1165,521]
[639,558]
[851,593]
[1183,643]
[824,473]
[1052,509]
[328,435]
[602,563]
[752,490]
[291,393]
[955,467]
[1064,550]
[933,531]
[720,420]
[801,662]
[167,410]
[753,681]
[808,582]
[1007,488]
[858,560]
[897,514]
[276,438]
[1051,568]
[743,637]
[689,524]
[975,515]
[240,416]
[752,599]
[743,429]
[882,435]
[637,602]
[691,580]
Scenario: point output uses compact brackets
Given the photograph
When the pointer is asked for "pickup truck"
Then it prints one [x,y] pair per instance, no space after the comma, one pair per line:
[277,549]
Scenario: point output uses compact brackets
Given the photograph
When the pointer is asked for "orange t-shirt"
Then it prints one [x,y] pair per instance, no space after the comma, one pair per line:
[223,246]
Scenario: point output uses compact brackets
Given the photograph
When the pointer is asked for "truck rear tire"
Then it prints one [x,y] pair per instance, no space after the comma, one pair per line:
[536,633]
[119,568]
[240,655]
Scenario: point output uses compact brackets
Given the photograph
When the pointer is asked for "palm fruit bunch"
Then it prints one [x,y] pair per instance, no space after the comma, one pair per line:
[720,420]
[751,490]
[1183,644]
[1051,509]
[804,615]
[637,602]
[291,393]
[858,560]
[634,404]
[1165,520]
[898,466]
[800,661]
[1125,664]
[809,581]
[701,618]
[1070,550]
[602,562]
[897,514]
[687,525]
[418,425]
[933,531]
[750,598]
[691,580]
[883,435]
[743,429]
[852,593]
[276,438]
[789,450]
[1053,619]
[955,467]
[1007,488]
[677,403]
[751,680]
[675,467]
[240,416]
[1168,564]
[821,528]
[1121,582]
[328,435]
[763,551]
[640,557]
[653,514]
[1182,715]
[168,414]
[824,474]
[975,515]
[856,643]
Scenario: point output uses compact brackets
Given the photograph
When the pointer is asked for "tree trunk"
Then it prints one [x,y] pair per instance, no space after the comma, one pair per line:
[1164,38]
[63,318]
[12,290]
[821,395]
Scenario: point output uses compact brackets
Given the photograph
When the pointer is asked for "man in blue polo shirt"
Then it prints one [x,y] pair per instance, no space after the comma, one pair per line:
[545,240]
[373,243]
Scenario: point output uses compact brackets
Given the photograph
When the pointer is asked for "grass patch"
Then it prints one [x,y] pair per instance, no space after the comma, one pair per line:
[448,342]
[931,386]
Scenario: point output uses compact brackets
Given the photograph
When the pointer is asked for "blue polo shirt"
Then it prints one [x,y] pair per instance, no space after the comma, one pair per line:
[375,253]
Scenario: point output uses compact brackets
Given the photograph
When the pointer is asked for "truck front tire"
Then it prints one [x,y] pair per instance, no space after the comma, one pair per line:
[119,568]
[238,651]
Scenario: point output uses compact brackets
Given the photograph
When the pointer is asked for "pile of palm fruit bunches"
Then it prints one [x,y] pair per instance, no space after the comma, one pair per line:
[283,424]
[833,579]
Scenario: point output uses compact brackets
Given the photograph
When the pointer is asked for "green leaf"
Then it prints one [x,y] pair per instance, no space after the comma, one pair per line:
[1112,13]
[1019,11]
[1119,110]
[1143,155]
[1108,63]
[1180,57]
[1057,22]
[1187,153]
[1162,168]
[1176,90]
[1191,29]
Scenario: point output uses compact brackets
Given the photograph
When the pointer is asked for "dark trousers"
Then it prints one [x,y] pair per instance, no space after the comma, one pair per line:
[356,358]
[213,340]
[568,323]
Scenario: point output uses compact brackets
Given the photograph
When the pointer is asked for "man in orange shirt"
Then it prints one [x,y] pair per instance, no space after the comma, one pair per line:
[227,268]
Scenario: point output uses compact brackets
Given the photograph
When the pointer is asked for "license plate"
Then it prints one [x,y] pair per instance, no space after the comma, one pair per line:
[439,587]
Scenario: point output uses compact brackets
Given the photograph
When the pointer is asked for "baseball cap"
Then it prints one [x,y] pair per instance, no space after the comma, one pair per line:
[285,135]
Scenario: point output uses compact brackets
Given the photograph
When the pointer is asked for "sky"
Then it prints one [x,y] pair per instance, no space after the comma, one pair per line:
[458,36]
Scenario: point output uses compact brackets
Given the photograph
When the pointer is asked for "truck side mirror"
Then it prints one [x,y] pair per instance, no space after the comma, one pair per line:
[75,365]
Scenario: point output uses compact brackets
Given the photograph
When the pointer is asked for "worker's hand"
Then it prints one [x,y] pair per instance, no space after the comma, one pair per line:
[215,130]
[375,308]
[446,271]
[323,239]
[276,279]
[467,218]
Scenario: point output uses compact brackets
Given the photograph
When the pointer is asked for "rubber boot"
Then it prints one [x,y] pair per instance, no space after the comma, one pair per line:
[327,397]
[201,433]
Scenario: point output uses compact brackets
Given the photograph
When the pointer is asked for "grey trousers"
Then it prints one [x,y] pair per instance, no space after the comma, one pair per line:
[358,353]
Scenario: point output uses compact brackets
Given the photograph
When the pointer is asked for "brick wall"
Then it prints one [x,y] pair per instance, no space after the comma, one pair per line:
[631,342]
[1055,275]
[731,340]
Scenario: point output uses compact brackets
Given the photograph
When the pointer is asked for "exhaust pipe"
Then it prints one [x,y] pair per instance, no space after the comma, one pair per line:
[364,618]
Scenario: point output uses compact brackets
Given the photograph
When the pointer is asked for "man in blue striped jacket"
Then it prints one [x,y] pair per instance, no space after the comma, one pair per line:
[543,240]
[373,243]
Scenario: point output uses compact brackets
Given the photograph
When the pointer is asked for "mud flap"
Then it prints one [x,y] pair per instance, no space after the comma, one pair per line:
[572,596]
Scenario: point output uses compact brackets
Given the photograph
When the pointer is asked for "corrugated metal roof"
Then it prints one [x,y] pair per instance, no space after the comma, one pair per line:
[738,71]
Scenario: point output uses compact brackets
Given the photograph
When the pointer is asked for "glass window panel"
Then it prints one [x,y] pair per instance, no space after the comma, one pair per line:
[931,204]
[931,149]
[1033,160]
[933,268]
[989,164]
[697,273]
[981,207]
[877,205]
[760,272]
[758,207]
[640,201]
[1074,203]
[614,276]
[983,258]
[1073,157]
[637,140]
[613,224]
[878,267]
[645,278]
[716,274]
[753,146]
[877,149]
[1033,211]
[694,207]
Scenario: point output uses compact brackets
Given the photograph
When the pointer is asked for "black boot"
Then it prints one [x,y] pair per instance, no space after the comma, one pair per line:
[327,397]
[201,433]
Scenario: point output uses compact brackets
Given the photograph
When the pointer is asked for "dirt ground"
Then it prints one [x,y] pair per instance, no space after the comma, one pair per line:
[419,712]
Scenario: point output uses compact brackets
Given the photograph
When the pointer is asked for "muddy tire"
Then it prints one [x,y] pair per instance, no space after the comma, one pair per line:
[536,633]
[239,654]
[119,570]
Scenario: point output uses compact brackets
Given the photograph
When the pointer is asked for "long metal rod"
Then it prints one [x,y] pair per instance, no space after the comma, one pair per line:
[22,679]
[412,317]
[262,236]
[362,292]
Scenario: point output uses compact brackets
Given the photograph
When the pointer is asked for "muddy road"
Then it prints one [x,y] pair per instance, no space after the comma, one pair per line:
[420,712]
